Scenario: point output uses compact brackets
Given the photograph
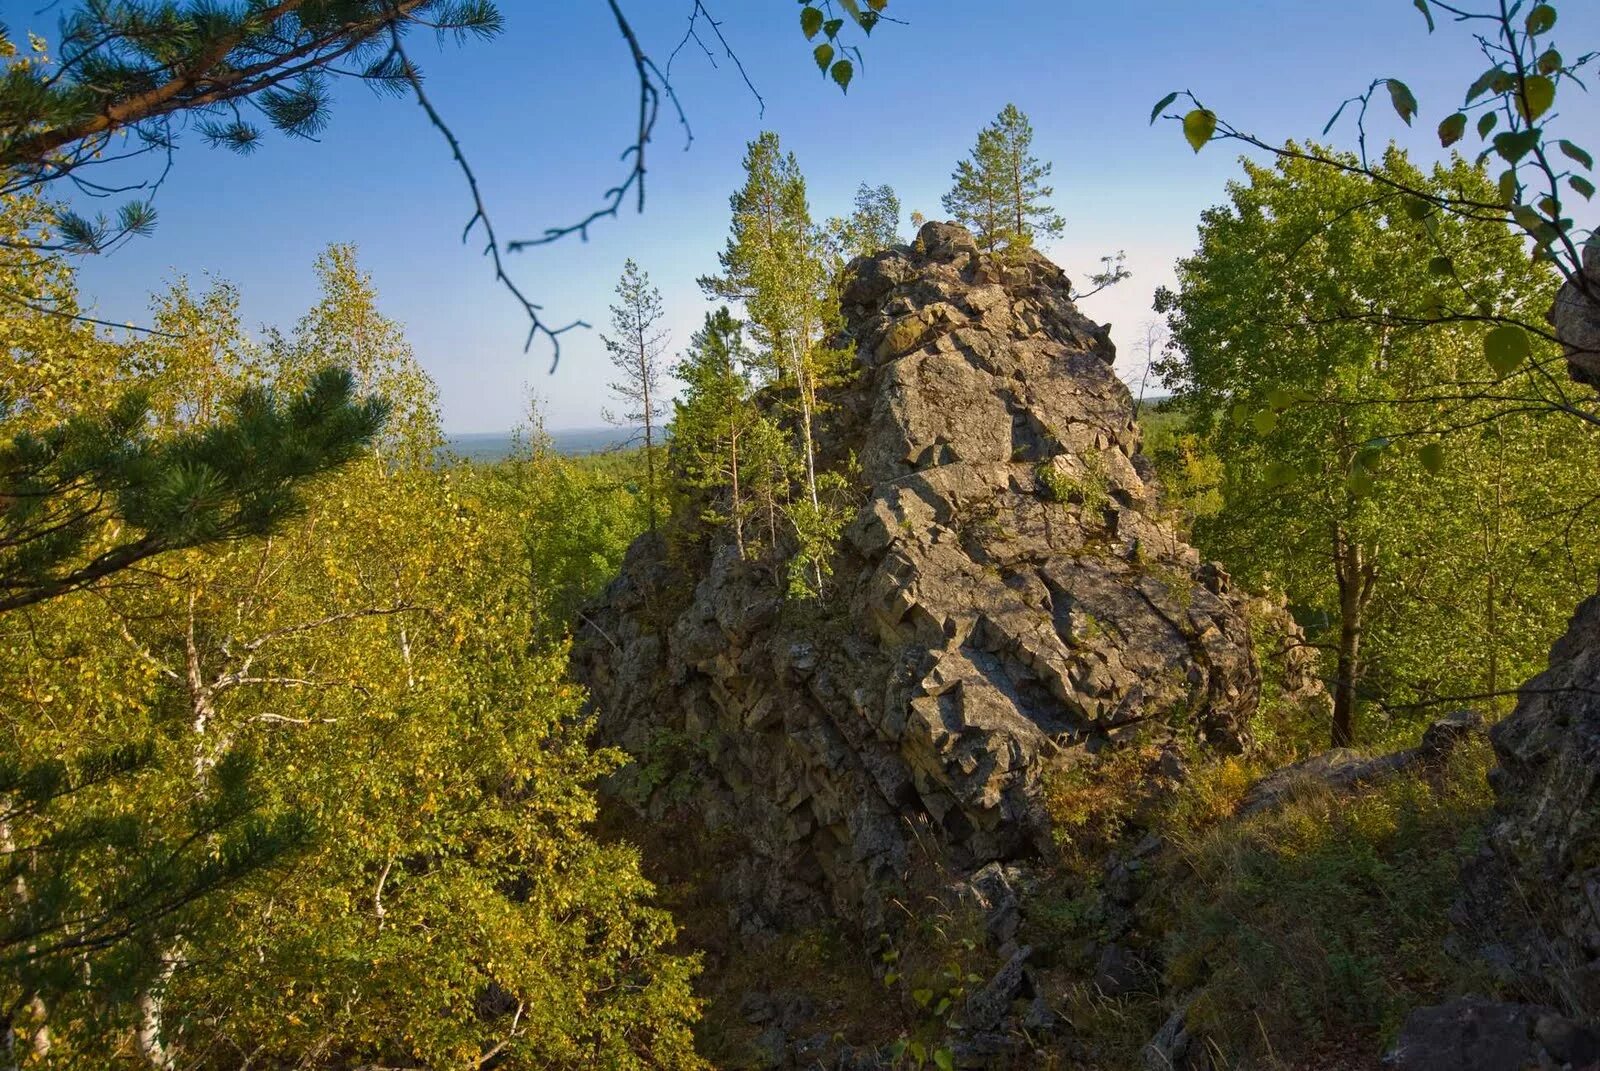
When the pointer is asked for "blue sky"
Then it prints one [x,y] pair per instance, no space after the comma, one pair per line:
[544,111]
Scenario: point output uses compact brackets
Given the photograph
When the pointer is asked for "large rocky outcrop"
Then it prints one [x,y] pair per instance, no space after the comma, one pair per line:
[1532,902]
[1005,599]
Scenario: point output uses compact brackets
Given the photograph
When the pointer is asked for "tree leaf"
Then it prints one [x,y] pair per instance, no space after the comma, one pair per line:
[1486,123]
[1549,61]
[944,1060]
[1279,474]
[1198,126]
[1540,19]
[832,28]
[1264,422]
[1574,152]
[1483,84]
[1513,145]
[877,5]
[1432,457]
[1505,347]
[1370,455]
[842,73]
[823,54]
[1584,187]
[810,21]
[1538,93]
[1400,95]
[1452,129]
[1422,6]
[1510,188]
[1155,113]
[1441,266]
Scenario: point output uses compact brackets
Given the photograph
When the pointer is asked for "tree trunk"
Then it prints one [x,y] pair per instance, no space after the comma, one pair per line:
[649,432]
[1355,575]
[34,1027]
[1344,683]
[1494,641]
[147,1034]
[1016,195]
[803,383]
[733,470]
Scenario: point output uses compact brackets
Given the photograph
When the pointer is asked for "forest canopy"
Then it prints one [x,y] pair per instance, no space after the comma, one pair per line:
[296,768]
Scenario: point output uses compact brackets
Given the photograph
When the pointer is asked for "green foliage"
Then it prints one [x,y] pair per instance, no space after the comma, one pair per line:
[88,485]
[817,17]
[323,797]
[1512,107]
[874,225]
[135,69]
[1190,474]
[1000,192]
[1089,488]
[713,415]
[775,264]
[1318,925]
[817,527]
[95,495]
[573,518]
[772,265]
[1361,467]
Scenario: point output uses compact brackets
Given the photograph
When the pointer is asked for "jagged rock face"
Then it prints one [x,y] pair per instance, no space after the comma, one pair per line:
[1576,318]
[1537,893]
[1546,831]
[1005,599]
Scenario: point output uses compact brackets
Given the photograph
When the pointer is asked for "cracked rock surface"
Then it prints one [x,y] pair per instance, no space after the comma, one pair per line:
[1006,599]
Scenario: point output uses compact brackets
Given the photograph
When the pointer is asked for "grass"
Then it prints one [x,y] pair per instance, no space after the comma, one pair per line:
[1302,936]
[1317,926]
[1092,491]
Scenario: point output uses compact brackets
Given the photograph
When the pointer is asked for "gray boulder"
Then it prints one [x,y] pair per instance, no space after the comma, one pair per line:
[1576,318]
[1344,770]
[1477,1034]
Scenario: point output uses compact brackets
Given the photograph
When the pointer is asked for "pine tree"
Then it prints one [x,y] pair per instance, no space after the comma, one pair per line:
[772,263]
[1000,192]
[714,414]
[977,200]
[95,494]
[637,348]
